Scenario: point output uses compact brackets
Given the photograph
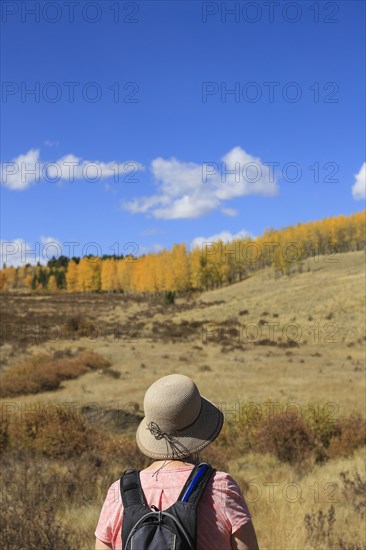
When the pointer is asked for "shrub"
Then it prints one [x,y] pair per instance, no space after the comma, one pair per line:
[93,360]
[350,435]
[65,434]
[34,375]
[324,428]
[67,369]
[289,440]
[59,433]
[43,373]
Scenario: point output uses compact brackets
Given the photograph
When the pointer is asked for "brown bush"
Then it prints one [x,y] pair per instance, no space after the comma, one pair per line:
[350,436]
[93,360]
[66,434]
[31,376]
[43,373]
[67,369]
[57,434]
[324,428]
[289,440]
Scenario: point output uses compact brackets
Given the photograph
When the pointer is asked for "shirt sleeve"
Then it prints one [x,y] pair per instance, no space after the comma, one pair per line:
[103,530]
[236,510]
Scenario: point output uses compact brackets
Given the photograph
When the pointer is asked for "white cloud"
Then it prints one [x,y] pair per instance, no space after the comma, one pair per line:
[143,204]
[224,236]
[18,252]
[72,168]
[190,190]
[229,212]
[27,169]
[359,187]
[22,171]
[242,174]
[188,206]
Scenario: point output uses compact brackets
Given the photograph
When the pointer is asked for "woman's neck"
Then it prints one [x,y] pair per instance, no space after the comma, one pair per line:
[172,464]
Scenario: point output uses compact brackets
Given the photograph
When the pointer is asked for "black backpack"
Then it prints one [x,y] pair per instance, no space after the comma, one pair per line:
[172,529]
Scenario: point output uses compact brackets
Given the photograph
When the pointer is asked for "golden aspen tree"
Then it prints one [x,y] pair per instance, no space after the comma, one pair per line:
[96,277]
[180,267]
[341,234]
[72,277]
[109,280]
[145,274]
[155,283]
[8,278]
[159,273]
[218,263]
[124,274]
[359,223]
[167,271]
[279,260]
[195,268]
[52,283]
[4,281]
[137,275]
[27,280]
[13,277]
[89,274]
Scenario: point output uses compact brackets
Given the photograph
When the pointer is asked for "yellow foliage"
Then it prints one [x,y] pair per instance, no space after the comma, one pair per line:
[89,274]
[214,265]
[109,279]
[72,277]
[52,283]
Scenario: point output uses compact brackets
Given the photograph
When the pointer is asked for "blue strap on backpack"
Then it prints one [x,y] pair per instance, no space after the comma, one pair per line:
[152,529]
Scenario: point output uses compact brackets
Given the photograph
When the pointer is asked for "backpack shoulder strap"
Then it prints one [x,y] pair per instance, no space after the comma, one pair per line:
[130,487]
[196,483]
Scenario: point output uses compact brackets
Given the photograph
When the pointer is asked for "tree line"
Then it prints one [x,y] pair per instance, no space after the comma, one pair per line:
[178,270]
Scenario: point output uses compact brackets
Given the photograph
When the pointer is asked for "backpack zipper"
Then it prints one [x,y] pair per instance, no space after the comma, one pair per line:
[134,529]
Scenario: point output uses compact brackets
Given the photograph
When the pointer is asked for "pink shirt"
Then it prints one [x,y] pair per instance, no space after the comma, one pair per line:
[221,510]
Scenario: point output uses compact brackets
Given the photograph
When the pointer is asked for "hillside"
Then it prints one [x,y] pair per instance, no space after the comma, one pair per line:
[89,437]
[314,350]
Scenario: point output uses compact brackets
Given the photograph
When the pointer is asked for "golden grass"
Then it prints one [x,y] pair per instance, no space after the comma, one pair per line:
[331,373]
[279,498]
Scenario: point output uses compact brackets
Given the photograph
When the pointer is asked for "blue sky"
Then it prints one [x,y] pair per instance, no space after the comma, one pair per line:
[146,91]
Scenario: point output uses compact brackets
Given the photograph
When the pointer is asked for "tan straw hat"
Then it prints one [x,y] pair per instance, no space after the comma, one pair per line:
[178,421]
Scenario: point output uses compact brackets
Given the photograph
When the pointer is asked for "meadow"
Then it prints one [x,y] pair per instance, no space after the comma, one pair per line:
[284,357]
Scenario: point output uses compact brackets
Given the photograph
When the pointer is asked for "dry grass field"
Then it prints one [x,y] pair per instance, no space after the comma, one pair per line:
[266,345]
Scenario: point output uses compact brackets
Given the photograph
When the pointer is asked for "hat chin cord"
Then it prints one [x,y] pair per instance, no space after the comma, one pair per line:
[173,445]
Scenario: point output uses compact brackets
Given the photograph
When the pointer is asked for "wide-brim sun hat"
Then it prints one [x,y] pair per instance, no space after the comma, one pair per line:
[178,421]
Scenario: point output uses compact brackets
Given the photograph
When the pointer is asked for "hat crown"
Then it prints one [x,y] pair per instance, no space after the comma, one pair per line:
[172,402]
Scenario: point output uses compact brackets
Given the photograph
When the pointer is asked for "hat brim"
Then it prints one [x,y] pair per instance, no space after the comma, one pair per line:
[188,441]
